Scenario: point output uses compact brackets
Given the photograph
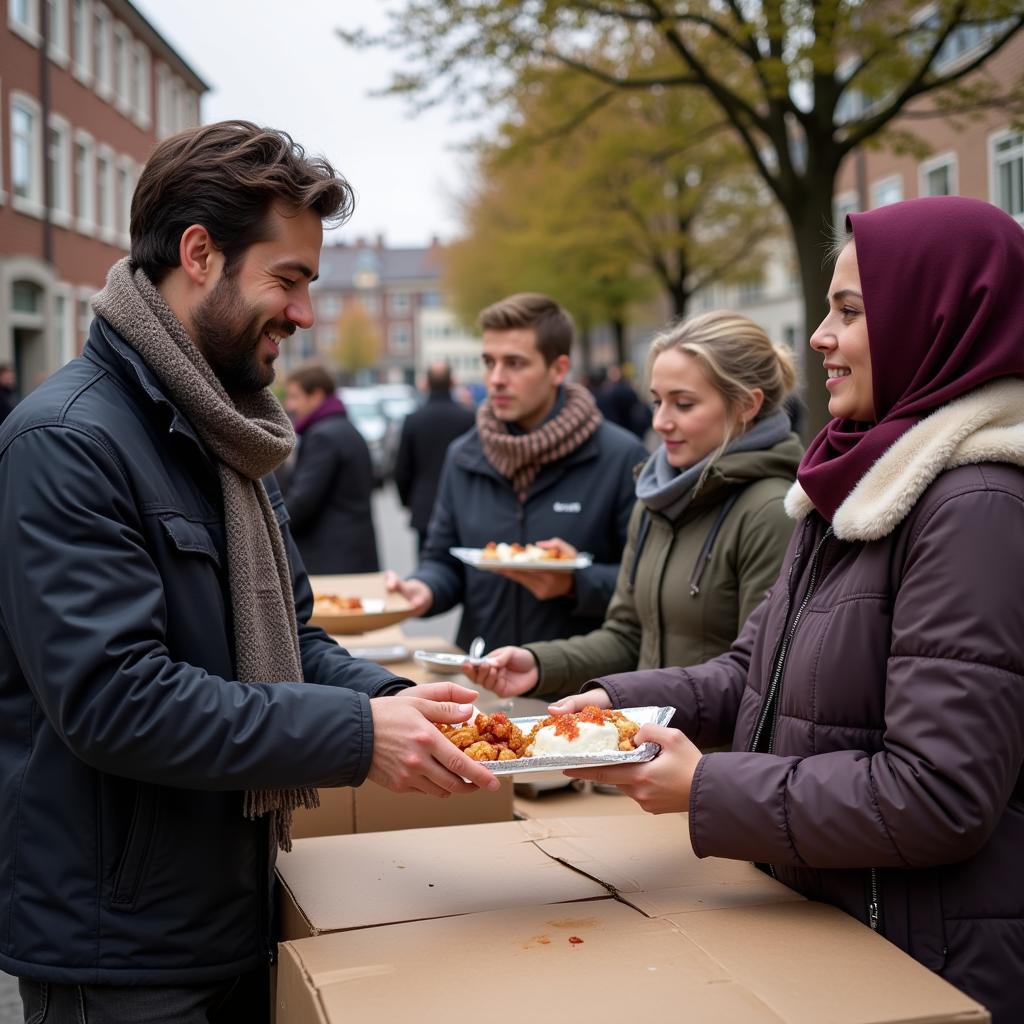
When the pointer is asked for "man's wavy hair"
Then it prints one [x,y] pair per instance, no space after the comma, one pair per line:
[227,176]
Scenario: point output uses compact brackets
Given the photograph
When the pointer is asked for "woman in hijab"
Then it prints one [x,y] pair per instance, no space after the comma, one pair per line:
[708,530]
[875,700]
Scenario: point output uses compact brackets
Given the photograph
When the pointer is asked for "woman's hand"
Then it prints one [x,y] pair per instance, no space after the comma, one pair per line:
[659,786]
[545,586]
[597,698]
[508,671]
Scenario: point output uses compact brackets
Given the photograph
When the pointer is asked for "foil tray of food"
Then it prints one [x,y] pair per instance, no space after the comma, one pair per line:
[584,739]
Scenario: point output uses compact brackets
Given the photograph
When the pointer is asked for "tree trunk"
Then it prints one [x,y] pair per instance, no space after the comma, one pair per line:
[622,355]
[808,225]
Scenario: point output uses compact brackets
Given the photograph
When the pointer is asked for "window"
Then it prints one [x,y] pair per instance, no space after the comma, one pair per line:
[26,155]
[63,328]
[122,60]
[85,182]
[23,18]
[398,303]
[81,39]
[57,27]
[102,65]
[938,176]
[842,204]
[431,300]
[1007,163]
[106,219]
[399,338]
[163,102]
[751,290]
[125,189]
[140,85]
[58,169]
[886,191]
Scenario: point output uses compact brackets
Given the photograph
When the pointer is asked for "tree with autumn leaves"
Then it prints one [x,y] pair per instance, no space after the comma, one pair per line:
[801,83]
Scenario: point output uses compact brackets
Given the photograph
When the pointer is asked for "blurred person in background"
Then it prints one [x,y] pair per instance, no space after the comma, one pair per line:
[708,530]
[875,700]
[166,704]
[8,391]
[541,466]
[619,403]
[426,434]
[328,491]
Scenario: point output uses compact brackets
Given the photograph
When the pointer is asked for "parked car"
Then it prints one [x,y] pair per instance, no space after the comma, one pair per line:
[367,416]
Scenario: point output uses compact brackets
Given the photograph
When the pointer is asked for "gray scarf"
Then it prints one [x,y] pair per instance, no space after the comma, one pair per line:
[249,436]
[665,489]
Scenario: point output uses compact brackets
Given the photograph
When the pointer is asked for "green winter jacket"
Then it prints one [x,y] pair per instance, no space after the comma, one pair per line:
[666,610]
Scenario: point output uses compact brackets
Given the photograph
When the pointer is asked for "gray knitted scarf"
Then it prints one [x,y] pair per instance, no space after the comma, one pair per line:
[519,457]
[249,436]
[665,489]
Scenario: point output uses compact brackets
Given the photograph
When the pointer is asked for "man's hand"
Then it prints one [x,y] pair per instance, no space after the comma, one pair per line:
[597,698]
[416,592]
[659,786]
[508,671]
[409,753]
[546,586]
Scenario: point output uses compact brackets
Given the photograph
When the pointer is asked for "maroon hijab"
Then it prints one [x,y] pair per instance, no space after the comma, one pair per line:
[943,286]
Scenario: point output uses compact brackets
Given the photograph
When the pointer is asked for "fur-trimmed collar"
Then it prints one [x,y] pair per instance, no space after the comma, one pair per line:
[986,425]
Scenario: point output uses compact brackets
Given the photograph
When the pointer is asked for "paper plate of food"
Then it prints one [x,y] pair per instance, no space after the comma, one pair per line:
[499,555]
[584,739]
[348,613]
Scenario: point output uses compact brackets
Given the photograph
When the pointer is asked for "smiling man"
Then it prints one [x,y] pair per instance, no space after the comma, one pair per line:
[541,465]
[155,655]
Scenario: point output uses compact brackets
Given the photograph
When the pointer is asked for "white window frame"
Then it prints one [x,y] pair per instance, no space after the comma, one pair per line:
[106,225]
[121,76]
[31,204]
[163,104]
[103,62]
[85,216]
[60,188]
[65,346]
[3,194]
[124,178]
[81,41]
[28,30]
[399,303]
[58,50]
[142,102]
[948,159]
[396,346]
[842,204]
[881,185]
[993,176]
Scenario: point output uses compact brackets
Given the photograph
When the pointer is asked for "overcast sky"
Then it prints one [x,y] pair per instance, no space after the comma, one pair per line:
[282,65]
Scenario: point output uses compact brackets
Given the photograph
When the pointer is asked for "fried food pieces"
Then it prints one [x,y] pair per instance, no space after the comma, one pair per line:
[488,738]
[332,604]
[500,552]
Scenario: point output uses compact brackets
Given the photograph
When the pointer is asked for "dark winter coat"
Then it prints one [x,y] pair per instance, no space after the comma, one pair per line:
[585,499]
[125,743]
[426,434]
[876,705]
[328,498]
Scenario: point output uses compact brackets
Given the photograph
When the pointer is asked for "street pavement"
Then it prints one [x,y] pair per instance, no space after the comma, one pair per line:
[397,546]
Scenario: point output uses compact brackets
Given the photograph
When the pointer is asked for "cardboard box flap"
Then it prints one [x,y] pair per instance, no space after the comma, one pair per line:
[335,883]
[810,963]
[519,963]
[649,863]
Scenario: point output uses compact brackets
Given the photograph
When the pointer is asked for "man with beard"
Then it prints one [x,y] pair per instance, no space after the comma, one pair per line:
[541,466]
[156,661]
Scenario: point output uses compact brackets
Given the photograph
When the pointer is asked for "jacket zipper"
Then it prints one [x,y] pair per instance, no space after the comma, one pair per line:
[873,903]
[770,708]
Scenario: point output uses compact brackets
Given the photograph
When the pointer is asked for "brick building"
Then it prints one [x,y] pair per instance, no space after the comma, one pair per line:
[86,89]
[393,285]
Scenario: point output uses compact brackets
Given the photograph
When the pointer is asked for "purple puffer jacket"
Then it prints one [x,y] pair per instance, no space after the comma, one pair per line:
[883,773]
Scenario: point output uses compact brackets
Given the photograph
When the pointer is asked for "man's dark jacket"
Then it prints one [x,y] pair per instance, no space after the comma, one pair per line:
[125,743]
[585,498]
[328,499]
[426,434]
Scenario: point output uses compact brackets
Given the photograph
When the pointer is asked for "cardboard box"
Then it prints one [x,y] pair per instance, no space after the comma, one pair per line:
[621,922]
[371,808]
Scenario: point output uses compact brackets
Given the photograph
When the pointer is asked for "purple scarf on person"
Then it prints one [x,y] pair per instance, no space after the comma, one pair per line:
[332,405]
[943,286]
